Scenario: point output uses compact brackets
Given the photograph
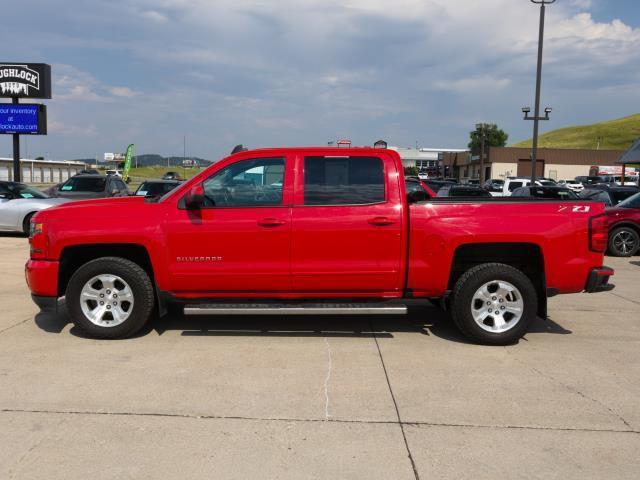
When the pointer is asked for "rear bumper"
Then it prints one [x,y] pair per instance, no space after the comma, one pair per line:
[598,280]
[46,304]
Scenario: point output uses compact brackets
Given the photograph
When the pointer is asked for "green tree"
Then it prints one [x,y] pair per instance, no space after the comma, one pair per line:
[494,137]
[411,171]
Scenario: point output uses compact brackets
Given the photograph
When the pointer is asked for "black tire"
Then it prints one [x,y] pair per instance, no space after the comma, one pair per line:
[139,283]
[26,223]
[462,302]
[624,242]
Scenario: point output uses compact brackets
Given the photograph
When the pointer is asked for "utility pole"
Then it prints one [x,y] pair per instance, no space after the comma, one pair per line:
[481,131]
[17,169]
[536,114]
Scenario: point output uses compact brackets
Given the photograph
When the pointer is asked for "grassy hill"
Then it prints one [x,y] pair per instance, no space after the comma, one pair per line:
[614,135]
[153,159]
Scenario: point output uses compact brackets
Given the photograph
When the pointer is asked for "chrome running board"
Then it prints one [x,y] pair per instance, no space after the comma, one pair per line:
[295,309]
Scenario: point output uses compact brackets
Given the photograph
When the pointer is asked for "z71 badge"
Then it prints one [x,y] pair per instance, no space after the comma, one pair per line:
[575,209]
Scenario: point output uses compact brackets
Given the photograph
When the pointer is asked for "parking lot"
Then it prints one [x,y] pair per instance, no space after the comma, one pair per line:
[390,398]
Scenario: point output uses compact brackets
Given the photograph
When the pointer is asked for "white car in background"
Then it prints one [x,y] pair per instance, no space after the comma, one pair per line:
[511,183]
[19,202]
[573,185]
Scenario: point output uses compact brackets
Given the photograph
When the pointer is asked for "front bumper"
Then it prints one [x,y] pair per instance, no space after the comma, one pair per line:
[42,277]
[598,280]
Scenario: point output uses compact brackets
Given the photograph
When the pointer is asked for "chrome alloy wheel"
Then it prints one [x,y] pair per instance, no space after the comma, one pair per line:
[106,300]
[497,306]
[624,242]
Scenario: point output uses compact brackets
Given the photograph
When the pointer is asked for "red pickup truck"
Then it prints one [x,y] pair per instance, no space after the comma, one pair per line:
[313,231]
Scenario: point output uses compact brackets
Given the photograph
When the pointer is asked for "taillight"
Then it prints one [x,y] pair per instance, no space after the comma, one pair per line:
[598,233]
[38,240]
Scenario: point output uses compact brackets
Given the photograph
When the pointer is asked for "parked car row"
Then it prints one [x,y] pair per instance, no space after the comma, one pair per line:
[19,202]
[622,202]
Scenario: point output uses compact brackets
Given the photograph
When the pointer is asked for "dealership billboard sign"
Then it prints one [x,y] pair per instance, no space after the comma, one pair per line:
[23,118]
[25,80]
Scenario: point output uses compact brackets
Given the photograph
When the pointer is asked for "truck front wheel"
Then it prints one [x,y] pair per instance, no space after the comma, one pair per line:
[110,297]
[494,304]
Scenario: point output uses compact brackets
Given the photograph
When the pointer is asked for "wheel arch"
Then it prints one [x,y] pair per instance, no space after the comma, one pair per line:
[74,256]
[29,214]
[625,223]
[526,257]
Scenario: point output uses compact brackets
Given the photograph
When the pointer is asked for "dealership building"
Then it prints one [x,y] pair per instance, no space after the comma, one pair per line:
[427,160]
[556,163]
[41,171]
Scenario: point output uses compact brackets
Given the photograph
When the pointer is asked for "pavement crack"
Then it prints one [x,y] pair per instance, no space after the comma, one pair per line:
[36,444]
[310,420]
[395,404]
[327,379]
[15,325]
[624,298]
[574,390]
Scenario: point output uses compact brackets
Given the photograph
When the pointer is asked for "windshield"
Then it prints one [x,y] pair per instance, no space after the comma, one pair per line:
[84,184]
[23,191]
[631,202]
[621,195]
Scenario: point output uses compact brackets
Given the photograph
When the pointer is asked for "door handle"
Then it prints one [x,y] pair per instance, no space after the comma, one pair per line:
[271,222]
[381,221]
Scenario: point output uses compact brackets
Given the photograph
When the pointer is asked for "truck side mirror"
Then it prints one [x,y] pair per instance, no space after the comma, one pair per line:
[195,197]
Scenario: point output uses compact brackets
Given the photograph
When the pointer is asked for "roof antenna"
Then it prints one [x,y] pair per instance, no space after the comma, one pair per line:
[239,148]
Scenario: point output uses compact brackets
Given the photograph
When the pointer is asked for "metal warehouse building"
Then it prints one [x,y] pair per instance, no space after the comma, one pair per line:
[425,159]
[556,163]
[41,171]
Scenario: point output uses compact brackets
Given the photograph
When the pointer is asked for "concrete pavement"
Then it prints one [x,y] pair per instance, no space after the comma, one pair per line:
[389,398]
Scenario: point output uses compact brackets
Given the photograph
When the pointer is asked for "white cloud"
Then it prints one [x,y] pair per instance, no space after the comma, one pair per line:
[71,83]
[68,130]
[154,16]
[583,4]
[474,84]
[125,92]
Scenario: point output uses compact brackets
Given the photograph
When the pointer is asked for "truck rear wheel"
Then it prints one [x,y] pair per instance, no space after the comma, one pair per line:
[110,297]
[494,304]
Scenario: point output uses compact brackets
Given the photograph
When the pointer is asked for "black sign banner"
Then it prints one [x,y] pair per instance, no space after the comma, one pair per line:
[25,80]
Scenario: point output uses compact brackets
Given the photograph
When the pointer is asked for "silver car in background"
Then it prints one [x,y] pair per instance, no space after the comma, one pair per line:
[19,202]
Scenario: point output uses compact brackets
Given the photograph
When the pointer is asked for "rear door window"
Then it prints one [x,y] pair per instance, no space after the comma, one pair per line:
[343,181]
[514,185]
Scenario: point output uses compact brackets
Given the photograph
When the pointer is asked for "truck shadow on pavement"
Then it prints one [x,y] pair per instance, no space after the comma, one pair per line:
[13,235]
[429,321]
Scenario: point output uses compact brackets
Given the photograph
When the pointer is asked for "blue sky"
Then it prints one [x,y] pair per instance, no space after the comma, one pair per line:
[303,72]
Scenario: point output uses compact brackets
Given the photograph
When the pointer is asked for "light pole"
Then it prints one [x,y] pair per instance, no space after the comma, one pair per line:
[536,114]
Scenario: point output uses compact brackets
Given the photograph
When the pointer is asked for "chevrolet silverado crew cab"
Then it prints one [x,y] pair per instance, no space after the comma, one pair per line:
[313,231]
